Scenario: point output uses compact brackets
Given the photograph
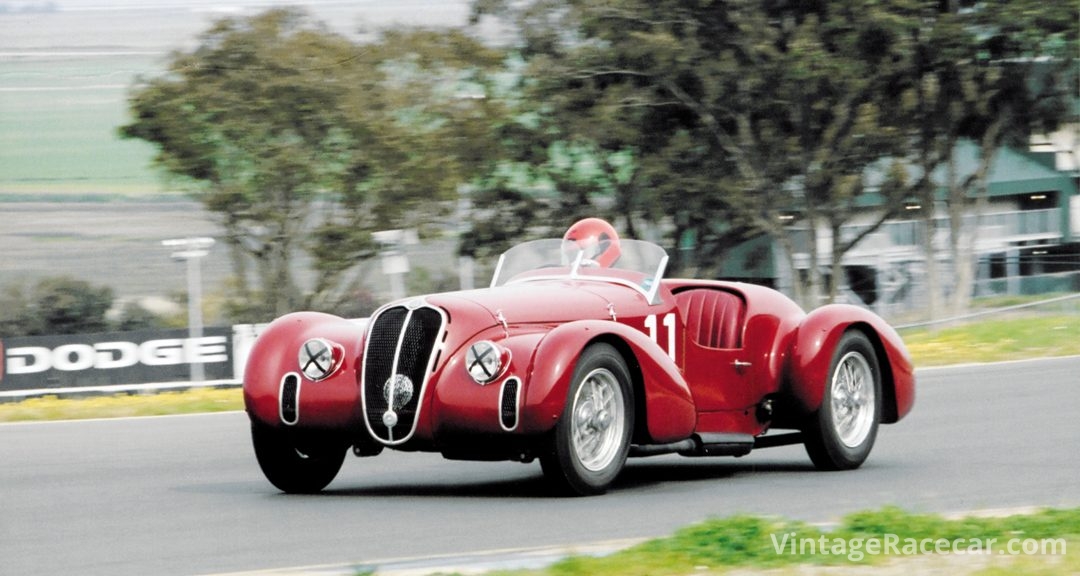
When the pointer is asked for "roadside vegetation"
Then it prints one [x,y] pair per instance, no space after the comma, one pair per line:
[995,340]
[194,401]
[749,545]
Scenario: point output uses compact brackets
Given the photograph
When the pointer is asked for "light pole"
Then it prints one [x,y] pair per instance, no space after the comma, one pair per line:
[395,264]
[192,250]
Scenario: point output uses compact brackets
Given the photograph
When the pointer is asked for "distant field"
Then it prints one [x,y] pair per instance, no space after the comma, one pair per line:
[65,142]
[64,83]
[65,77]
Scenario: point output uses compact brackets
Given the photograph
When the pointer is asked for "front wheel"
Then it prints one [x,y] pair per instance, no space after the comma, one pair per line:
[295,466]
[592,439]
[841,433]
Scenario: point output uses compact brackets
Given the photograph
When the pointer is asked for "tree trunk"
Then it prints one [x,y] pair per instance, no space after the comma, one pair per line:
[837,263]
[933,281]
[782,238]
[957,206]
[964,254]
[813,277]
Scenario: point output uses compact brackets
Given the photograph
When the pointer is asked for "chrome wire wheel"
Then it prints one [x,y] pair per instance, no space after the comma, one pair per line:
[841,433]
[598,422]
[853,399]
[588,446]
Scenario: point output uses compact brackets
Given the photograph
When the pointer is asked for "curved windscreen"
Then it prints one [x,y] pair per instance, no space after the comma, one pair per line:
[639,265]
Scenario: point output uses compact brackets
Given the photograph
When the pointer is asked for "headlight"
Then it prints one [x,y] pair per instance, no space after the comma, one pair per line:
[320,358]
[485,361]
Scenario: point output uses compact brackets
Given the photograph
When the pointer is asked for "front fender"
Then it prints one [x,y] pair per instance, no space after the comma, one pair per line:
[333,403]
[669,406]
[811,356]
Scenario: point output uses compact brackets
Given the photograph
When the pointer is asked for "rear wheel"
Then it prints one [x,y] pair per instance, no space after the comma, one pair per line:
[592,439]
[841,433]
[297,464]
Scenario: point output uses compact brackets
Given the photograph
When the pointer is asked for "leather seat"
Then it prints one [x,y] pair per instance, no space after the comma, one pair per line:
[714,318]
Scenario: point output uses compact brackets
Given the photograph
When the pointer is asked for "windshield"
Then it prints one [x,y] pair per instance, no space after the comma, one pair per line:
[640,264]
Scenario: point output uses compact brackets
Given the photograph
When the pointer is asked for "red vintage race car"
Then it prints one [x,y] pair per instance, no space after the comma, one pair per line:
[580,354]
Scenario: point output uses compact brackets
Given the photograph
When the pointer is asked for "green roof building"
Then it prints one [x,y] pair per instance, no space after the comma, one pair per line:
[1027,238]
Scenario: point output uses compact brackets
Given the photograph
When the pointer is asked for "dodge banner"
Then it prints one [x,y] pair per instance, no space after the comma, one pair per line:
[145,356]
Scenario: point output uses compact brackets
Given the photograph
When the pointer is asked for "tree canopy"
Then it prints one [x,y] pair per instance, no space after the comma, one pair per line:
[304,142]
[57,305]
[694,123]
[754,117]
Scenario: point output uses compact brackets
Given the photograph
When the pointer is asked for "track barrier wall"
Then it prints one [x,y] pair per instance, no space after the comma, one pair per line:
[123,361]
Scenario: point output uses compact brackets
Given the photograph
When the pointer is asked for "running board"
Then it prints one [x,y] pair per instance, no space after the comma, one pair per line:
[699,445]
[724,444]
[643,450]
[786,439]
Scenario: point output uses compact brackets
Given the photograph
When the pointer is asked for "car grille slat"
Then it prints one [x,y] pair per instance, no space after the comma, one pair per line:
[409,338]
[508,405]
[289,398]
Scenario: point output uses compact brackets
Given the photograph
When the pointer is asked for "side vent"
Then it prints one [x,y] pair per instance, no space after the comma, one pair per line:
[508,404]
[289,399]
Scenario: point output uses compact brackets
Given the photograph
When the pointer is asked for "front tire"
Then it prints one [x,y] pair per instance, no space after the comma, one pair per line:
[295,466]
[841,433]
[592,438]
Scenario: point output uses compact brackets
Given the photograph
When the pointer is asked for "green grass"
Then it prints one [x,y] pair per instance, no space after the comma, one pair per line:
[720,545]
[1030,336]
[123,405]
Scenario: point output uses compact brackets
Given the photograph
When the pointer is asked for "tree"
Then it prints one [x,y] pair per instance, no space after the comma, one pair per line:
[14,316]
[251,121]
[737,116]
[424,114]
[56,305]
[1024,79]
[990,73]
[301,140]
[133,316]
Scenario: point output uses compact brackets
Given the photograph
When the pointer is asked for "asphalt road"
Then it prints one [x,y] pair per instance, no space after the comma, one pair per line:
[184,495]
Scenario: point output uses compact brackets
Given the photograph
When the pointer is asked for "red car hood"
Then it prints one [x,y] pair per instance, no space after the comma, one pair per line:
[536,302]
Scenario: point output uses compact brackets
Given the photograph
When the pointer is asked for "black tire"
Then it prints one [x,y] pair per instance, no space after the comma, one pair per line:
[590,442]
[841,433]
[295,466]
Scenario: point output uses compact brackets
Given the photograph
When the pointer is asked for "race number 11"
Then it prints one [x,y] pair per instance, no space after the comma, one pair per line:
[669,323]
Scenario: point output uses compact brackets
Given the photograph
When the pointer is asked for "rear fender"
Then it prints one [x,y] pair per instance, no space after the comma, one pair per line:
[659,387]
[811,356]
[333,403]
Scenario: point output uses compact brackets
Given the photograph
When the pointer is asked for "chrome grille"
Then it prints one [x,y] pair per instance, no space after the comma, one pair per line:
[398,358]
[289,399]
[508,405]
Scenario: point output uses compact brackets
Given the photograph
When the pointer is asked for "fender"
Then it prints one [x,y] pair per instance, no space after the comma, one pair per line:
[811,354]
[458,405]
[330,403]
[669,406]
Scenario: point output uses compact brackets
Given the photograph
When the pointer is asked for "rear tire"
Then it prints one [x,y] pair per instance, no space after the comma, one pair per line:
[592,438]
[295,465]
[841,433]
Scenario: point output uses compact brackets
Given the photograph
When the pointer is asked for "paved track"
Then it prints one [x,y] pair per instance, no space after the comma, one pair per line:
[183,495]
